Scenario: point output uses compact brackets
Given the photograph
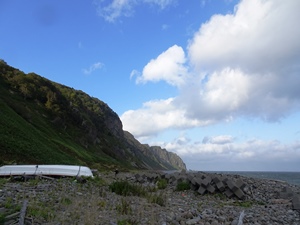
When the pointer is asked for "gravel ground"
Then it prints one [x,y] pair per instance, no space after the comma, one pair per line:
[68,201]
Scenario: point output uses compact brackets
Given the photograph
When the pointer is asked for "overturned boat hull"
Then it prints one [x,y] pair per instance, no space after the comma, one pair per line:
[46,170]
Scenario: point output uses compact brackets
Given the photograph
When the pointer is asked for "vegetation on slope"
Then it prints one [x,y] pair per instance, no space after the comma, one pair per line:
[43,122]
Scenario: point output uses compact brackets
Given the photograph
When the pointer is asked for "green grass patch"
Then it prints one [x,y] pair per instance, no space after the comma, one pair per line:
[162,184]
[124,207]
[182,186]
[159,199]
[127,222]
[125,188]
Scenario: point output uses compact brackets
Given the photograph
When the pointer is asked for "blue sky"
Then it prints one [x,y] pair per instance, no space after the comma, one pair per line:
[215,81]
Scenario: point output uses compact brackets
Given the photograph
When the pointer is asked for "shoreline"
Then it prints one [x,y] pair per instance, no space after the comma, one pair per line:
[68,201]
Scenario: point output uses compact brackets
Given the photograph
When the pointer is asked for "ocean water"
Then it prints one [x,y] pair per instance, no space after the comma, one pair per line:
[289,177]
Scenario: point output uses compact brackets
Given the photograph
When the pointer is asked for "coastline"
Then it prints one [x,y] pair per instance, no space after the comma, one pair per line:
[291,177]
[68,201]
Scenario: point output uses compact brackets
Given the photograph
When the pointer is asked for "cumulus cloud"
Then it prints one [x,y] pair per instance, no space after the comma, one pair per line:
[111,11]
[168,66]
[92,68]
[163,114]
[244,63]
[259,36]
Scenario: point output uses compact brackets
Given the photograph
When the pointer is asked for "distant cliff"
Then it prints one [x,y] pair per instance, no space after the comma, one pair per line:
[43,122]
[165,159]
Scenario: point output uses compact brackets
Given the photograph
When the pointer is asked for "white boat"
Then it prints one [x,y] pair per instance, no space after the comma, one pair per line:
[46,170]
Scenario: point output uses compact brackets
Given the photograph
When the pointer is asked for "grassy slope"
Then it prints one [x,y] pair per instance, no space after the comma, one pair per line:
[28,136]
[75,129]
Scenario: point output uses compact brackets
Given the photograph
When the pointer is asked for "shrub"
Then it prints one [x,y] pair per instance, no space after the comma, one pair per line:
[183,185]
[162,183]
[125,188]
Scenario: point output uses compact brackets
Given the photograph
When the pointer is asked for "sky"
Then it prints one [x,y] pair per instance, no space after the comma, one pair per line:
[214,81]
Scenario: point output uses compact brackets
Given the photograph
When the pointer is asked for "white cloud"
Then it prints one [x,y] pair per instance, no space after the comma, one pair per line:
[161,3]
[92,68]
[259,37]
[125,8]
[221,139]
[242,64]
[110,12]
[222,153]
[168,66]
[155,116]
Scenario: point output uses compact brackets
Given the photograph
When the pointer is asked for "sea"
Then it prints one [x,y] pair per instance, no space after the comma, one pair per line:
[289,177]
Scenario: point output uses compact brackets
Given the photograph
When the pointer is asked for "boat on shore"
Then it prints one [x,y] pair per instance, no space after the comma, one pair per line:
[46,170]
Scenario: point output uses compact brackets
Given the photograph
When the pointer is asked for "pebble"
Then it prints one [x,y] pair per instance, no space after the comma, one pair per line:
[88,204]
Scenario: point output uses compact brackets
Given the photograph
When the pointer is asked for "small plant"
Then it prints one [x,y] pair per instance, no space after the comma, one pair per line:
[124,207]
[182,186]
[127,222]
[2,218]
[220,196]
[244,204]
[157,199]
[162,184]
[125,188]
[33,182]
[8,203]
[3,181]
[98,180]
[101,204]
[66,201]
[36,211]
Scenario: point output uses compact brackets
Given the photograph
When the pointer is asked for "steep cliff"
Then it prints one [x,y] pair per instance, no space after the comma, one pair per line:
[45,122]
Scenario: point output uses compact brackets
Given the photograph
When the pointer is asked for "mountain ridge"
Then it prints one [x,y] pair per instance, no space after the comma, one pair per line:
[47,122]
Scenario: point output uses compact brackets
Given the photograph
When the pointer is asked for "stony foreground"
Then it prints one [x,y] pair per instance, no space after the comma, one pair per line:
[69,201]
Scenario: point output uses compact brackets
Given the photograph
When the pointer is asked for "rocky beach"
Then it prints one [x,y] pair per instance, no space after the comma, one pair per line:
[149,198]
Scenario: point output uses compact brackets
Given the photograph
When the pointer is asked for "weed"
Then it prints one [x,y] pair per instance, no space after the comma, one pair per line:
[162,184]
[220,196]
[66,201]
[36,211]
[244,204]
[183,185]
[124,207]
[97,180]
[101,204]
[3,181]
[33,182]
[125,188]
[102,192]
[127,222]
[157,199]
[8,203]
[2,218]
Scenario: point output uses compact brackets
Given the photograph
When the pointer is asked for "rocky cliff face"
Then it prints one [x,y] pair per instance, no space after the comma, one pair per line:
[80,129]
[169,157]
[154,157]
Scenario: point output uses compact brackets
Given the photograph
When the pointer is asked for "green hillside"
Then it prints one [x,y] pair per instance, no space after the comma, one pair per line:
[43,122]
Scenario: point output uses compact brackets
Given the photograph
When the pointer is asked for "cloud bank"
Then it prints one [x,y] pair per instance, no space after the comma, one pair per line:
[242,64]
[224,153]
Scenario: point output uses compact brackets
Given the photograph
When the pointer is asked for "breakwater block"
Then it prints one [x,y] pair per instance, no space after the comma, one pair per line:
[201,182]
[287,193]
[296,202]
